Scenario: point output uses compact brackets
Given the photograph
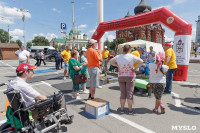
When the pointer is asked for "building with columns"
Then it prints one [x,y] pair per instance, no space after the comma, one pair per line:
[154,32]
[79,41]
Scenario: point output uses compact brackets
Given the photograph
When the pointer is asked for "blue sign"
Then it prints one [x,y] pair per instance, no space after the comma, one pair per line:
[63,26]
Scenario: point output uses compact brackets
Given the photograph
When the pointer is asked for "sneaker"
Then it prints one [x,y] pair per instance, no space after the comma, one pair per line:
[131,112]
[100,87]
[86,91]
[64,78]
[120,111]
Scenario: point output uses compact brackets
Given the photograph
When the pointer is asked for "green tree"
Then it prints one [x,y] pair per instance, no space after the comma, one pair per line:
[121,40]
[4,36]
[12,41]
[29,44]
[19,42]
[40,41]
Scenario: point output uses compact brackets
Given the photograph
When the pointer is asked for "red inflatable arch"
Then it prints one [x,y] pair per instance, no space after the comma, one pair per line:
[182,29]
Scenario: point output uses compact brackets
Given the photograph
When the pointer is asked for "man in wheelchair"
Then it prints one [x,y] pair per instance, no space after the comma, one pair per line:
[34,112]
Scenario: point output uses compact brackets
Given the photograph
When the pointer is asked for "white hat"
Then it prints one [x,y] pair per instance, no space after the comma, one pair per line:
[105,47]
[92,41]
[84,49]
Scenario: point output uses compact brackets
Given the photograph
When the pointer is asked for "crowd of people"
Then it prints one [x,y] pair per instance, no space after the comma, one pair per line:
[160,68]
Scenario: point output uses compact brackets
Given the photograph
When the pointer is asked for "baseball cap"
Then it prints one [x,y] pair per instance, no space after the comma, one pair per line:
[168,44]
[92,41]
[105,47]
[141,48]
[24,67]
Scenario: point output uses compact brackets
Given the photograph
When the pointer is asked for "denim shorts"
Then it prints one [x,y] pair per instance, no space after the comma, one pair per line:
[66,66]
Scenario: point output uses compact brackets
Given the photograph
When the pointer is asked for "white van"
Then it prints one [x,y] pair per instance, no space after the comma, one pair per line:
[33,49]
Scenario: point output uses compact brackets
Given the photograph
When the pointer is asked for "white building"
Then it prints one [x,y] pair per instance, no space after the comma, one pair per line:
[198,31]
[79,41]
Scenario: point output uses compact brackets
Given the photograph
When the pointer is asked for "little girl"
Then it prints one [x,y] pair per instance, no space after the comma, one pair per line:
[157,80]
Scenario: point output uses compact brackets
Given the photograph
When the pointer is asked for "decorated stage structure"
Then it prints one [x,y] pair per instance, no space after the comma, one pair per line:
[182,29]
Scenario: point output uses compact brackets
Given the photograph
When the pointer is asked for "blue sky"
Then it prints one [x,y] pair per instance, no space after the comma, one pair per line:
[44,16]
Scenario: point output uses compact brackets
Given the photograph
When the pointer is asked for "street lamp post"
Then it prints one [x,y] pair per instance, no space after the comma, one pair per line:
[23,19]
[73,22]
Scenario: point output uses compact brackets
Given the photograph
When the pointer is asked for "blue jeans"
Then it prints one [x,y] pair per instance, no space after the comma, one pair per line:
[57,63]
[169,78]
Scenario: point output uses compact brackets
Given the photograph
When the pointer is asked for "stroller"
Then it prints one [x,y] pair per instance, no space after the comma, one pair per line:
[50,115]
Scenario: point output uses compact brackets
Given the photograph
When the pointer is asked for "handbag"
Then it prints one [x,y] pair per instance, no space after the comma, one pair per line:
[80,78]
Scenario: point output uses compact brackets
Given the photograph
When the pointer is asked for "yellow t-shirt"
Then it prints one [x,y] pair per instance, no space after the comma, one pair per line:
[105,54]
[136,53]
[172,62]
[67,55]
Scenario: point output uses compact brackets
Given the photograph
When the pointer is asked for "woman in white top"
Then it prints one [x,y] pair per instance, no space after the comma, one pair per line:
[126,76]
[157,80]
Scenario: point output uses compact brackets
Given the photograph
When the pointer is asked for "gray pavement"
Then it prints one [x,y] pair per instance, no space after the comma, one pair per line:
[180,113]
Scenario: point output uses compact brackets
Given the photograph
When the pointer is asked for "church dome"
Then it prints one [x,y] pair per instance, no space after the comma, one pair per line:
[142,7]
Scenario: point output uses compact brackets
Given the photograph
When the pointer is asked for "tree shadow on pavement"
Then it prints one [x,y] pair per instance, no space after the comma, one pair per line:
[184,109]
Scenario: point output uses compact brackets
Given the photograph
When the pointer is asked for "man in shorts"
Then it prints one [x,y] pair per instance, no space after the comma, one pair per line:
[93,57]
[66,55]
[23,55]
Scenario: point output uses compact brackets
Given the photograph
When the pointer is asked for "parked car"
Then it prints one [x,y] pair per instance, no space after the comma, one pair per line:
[49,55]
[112,53]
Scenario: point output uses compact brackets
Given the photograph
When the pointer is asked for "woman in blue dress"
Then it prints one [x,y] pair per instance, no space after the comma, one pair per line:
[83,59]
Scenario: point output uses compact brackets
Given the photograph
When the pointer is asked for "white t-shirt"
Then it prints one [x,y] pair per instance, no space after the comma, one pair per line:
[28,94]
[157,77]
[22,55]
[125,63]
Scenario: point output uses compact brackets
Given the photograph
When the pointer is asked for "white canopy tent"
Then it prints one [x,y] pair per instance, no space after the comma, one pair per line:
[157,47]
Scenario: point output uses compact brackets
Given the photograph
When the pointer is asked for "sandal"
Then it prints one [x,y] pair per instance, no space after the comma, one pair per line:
[120,111]
[162,110]
[155,110]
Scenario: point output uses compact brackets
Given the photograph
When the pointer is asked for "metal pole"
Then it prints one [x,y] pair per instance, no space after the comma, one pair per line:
[8,34]
[77,37]
[24,30]
[73,21]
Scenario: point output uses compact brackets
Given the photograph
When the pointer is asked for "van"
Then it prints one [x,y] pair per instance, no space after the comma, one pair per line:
[33,49]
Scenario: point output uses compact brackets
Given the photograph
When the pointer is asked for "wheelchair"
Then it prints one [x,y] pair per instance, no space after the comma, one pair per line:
[50,115]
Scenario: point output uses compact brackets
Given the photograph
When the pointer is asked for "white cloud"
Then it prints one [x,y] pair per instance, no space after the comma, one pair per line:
[89,3]
[177,2]
[91,31]
[174,3]
[16,34]
[48,36]
[82,26]
[55,10]
[169,39]
[82,8]
[9,14]
[108,36]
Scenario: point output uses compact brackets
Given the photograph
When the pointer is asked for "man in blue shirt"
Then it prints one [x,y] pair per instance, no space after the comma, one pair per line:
[143,55]
[57,58]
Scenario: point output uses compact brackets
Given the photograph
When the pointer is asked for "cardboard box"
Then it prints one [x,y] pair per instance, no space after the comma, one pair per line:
[96,108]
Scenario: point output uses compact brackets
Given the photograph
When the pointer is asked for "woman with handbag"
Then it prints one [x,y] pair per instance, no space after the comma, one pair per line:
[75,67]
[83,59]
